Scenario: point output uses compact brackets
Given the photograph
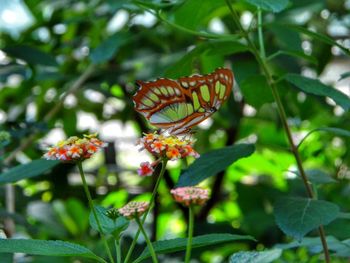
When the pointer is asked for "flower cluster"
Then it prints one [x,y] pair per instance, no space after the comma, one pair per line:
[134,209]
[190,195]
[75,148]
[168,147]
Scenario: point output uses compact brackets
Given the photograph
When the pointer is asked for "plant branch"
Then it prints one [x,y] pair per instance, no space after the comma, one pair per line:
[262,62]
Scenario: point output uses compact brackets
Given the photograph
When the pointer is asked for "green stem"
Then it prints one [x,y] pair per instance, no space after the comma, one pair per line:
[260,34]
[272,84]
[132,246]
[91,204]
[118,249]
[149,244]
[190,234]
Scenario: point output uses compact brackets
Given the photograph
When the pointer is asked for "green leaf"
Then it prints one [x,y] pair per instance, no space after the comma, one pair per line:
[319,177]
[256,91]
[108,225]
[179,244]
[31,55]
[192,13]
[317,36]
[24,171]
[46,248]
[256,256]
[108,48]
[298,216]
[213,162]
[344,215]
[337,131]
[295,53]
[344,76]
[184,66]
[313,243]
[270,5]
[314,86]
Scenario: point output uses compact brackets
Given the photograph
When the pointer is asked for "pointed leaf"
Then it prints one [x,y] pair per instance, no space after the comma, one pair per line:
[31,55]
[24,171]
[108,48]
[314,86]
[256,256]
[213,162]
[318,36]
[298,216]
[46,248]
[179,244]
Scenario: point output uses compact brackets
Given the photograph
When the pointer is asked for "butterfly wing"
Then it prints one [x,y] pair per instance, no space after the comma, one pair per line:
[179,105]
[207,93]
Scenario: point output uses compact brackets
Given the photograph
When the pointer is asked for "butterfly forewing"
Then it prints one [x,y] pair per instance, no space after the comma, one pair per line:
[179,105]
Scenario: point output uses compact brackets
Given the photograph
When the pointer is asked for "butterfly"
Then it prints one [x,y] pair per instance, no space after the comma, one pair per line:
[178,105]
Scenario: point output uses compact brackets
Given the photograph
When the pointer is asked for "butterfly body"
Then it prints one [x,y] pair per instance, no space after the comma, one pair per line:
[178,105]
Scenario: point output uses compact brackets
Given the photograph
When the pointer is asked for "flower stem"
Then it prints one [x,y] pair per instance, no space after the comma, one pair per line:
[272,84]
[149,244]
[132,246]
[118,249]
[91,204]
[190,234]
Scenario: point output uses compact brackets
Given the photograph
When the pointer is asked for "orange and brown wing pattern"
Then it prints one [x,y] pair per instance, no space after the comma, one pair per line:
[178,105]
[155,95]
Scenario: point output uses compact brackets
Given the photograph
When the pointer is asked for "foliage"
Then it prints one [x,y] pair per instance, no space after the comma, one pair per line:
[71,70]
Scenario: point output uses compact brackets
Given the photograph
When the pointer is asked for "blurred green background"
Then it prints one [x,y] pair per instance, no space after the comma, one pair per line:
[68,67]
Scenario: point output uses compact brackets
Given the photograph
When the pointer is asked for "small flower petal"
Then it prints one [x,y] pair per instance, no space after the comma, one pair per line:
[145,169]
[190,195]
[134,209]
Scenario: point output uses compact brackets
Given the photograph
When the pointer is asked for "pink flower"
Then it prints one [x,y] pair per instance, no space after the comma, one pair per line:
[145,169]
[134,209]
[190,195]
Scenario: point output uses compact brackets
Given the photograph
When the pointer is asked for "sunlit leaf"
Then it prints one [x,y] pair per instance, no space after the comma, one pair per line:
[178,244]
[213,162]
[256,256]
[314,86]
[298,216]
[47,248]
[29,170]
